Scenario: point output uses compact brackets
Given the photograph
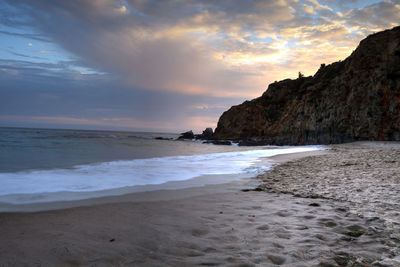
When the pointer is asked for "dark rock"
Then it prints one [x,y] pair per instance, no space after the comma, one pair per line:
[314,204]
[186,135]
[207,133]
[253,142]
[163,138]
[351,100]
[221,142]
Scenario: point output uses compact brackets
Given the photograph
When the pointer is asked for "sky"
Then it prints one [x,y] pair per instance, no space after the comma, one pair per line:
[167,65]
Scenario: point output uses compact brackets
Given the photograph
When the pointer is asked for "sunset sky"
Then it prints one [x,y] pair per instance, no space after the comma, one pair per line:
[167,65]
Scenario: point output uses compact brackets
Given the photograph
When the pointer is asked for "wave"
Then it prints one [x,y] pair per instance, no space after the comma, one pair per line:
[119,174]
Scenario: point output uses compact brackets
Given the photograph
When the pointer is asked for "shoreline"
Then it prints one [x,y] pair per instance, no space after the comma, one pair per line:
[215,225]
[202,185]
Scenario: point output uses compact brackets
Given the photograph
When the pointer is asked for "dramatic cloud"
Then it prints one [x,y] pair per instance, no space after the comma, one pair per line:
[56,98]
[176,55]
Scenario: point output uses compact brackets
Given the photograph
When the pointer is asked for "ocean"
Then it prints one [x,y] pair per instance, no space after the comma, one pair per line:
[38,164]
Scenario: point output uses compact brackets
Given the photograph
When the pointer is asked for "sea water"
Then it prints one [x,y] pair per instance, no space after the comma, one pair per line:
[37,161]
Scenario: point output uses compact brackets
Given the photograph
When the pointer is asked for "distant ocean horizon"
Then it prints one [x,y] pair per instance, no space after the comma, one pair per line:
[37,161]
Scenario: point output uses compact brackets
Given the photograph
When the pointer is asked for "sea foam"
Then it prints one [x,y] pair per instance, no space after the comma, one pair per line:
[119,174]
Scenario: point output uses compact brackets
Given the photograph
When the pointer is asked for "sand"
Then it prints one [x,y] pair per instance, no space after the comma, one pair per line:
[333,208]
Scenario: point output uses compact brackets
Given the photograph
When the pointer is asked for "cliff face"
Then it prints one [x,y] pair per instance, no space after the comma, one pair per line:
[350,100]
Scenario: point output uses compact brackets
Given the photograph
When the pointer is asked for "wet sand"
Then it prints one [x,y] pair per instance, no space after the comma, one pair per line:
[332,208]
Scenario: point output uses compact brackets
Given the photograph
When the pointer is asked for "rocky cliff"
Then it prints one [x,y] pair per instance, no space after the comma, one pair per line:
[350,100]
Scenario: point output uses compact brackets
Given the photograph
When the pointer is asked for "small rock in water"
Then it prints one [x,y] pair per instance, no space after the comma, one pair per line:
[207,133]
[314,204]
[162,138]
[222,142]
[186,135]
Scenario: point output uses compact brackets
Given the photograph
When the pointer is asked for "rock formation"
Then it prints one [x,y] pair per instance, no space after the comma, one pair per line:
[350,100]
[186,135]
[206,135]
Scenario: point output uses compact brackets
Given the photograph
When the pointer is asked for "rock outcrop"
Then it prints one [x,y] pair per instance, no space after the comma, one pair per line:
[350,100]
[206,135]
[186,135]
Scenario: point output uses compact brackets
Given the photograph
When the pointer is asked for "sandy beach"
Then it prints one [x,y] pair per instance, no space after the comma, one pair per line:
[338,207]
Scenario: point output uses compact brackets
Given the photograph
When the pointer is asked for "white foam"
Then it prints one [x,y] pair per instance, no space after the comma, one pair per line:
[118,174]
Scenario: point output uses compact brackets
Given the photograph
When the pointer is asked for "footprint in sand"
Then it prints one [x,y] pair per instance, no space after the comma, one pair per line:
[199,232]
[276,259]
[263,227]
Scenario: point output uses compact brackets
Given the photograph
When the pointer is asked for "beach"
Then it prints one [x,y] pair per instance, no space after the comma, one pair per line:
[336,207]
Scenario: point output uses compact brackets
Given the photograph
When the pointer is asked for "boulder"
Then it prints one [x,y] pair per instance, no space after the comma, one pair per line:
[207,133]
[186,135]
[222,142]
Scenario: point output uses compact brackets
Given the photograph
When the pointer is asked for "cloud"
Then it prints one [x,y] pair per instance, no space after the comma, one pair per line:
[196,49]
[155,61]
[318,6]
[309,9]
[112,122]
[44,51]
[98,100]
[375,17]
[9,71]
[25,35]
